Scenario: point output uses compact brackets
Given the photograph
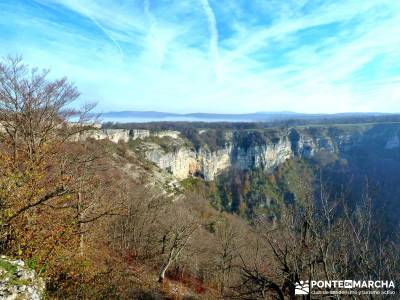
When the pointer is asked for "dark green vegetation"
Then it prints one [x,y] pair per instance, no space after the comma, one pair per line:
[335,198]
[365,166]
[7,266]
[315,121]
[362,165]
[255,193]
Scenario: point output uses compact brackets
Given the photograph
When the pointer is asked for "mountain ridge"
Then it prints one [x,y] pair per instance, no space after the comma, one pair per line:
[244,117]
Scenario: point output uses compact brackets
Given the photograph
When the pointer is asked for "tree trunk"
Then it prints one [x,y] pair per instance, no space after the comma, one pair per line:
[163,270]
[81,241]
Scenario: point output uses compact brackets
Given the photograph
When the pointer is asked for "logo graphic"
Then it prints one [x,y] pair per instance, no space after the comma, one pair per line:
[302,288]
[348,284]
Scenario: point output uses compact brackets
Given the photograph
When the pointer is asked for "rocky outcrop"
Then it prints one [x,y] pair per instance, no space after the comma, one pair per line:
[139,134]
[166,133]
[183,161]
[212,163]
[267,156]
[124,135]
[393,142]
[114,135]
[19,282]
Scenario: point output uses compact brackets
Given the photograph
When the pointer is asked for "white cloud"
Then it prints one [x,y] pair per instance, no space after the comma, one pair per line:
[212,27]
[163,55]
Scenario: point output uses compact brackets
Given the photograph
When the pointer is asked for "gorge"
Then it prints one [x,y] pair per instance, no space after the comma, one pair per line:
[268,148]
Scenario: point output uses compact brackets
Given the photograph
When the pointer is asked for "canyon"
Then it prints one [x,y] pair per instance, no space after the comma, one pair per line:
[183,160]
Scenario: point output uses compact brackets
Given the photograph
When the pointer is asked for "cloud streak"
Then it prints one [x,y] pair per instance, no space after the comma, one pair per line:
[221,56]
[107,34]
[212,27]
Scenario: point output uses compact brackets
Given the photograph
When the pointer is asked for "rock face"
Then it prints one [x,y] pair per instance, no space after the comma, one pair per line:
[212,163]
[19,282]
[267,156]
[393,142]
[124,135]
[183,161]
[180,163]
[166,133]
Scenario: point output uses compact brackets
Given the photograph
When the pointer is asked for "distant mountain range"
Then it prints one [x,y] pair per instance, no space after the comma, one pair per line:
[148,116]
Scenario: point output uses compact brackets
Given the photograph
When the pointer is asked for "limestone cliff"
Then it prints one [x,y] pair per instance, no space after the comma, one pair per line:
[173,153]
[267,156]
[181,162]
[124,135]
[185,161]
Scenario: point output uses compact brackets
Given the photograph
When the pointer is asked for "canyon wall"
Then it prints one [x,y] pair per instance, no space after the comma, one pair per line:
[124,135]
[182,160]
[185,161]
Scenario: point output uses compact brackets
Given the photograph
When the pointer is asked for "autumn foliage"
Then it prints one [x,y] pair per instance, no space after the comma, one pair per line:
[83,214]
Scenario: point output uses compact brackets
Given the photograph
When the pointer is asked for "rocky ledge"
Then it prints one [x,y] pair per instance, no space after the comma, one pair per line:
[17,281]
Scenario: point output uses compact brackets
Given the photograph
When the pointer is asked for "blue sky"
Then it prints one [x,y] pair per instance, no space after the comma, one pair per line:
[215,55]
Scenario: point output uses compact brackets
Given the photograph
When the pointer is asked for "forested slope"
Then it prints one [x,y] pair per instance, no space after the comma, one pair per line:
[99,220]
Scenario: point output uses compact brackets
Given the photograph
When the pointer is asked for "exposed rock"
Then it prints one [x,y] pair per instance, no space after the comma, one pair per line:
[266,156]
[19,282]
[139,134]
[116,135]
[169,133]
[181,163]
[184,162]
[393,142]
[178,158]
[212,163]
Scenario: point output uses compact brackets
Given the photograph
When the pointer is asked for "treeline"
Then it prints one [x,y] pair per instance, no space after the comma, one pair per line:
[216,135]
[318,120]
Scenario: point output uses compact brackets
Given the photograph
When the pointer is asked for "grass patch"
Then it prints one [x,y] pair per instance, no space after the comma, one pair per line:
[11,273]
[8,267]
[191,184]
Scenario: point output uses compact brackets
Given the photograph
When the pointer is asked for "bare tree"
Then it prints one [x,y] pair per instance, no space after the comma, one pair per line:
[34,120]
[33,108]
[228,243]
[324,241]
[176,234]
[47,182]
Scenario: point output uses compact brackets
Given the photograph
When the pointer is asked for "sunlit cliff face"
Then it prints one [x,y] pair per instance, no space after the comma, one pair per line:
[184,161]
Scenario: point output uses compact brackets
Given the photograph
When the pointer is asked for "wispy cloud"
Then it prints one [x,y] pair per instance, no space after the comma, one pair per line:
[212,27]
[226,56]
[106,33]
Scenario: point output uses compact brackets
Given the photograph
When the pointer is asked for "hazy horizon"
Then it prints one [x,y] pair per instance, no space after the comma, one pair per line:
[156,116]
[244,113]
